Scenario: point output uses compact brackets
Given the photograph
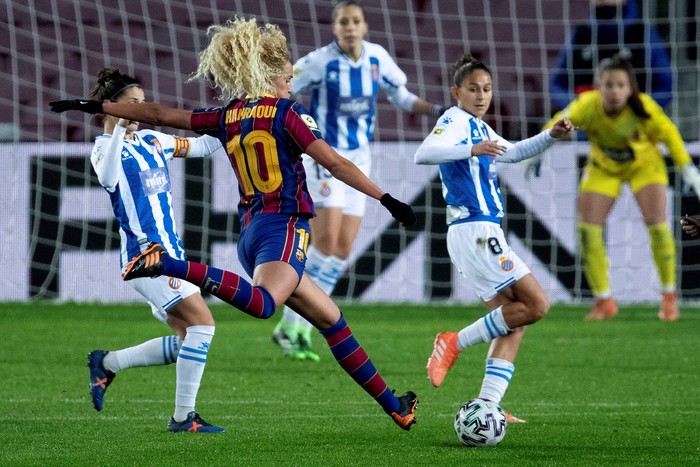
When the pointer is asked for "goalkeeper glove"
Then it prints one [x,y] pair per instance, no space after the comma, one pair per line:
[87,106]
[402,212]
[533,166]
[691,176]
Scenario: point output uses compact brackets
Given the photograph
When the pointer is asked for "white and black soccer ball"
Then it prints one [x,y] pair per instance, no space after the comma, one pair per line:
[480,423]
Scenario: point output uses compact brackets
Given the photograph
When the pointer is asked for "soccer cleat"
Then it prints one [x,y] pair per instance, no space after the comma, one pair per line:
[445,353]
[100,378]
[305,351]
[513,419]
[193,423]
[669,307]
[281,338]
[147,264]
[603,308]
[405,416]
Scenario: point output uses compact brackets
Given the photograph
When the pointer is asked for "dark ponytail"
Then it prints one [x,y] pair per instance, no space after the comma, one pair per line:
[111,83]
[465,66]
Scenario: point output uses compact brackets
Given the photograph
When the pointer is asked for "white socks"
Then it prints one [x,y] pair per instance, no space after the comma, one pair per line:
[190,367]
[496,379]
[484,329]
[158,351]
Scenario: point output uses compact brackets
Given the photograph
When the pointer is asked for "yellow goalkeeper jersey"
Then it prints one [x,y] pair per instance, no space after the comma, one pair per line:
[623,143]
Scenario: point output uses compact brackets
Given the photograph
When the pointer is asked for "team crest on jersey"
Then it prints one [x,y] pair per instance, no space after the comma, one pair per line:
[300,255]
[325,190]
[375,72]
[332,76]
[506,264]
[310,122]
[174,283]
[156,144]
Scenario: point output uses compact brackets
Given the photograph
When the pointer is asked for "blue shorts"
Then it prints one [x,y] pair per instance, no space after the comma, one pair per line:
[274,237]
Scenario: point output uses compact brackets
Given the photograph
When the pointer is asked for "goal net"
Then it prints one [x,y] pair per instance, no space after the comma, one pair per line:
[60,239]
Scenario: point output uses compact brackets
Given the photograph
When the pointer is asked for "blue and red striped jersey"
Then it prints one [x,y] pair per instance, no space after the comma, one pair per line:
[264,138]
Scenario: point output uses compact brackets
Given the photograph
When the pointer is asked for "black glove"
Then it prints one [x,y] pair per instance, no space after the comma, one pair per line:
[87,106]
[402,212]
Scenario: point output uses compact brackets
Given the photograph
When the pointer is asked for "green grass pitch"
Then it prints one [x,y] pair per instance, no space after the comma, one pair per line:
[619,392]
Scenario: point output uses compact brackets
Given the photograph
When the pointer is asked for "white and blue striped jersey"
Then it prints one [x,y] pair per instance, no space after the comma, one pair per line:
[344,92]
[470,184]
[136,176]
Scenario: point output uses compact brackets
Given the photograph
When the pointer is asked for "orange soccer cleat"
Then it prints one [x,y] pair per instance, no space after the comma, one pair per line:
[445,353]
[512,418]
[603,308]
[406,415]
[669,307]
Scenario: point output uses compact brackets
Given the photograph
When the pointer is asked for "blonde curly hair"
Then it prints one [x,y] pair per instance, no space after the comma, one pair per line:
[243,58]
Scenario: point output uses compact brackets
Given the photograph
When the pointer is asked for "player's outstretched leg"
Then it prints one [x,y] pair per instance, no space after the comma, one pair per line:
[104,365]
[353,359]
[226,285]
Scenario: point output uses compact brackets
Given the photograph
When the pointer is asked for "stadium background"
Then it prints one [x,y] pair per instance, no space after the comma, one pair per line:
[56,225]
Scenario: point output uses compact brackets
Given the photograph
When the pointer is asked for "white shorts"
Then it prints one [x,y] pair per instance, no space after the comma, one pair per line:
[482,255]
[329,192]
[163,293]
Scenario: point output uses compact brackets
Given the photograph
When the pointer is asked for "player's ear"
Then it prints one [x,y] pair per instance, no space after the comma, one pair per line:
[454,90]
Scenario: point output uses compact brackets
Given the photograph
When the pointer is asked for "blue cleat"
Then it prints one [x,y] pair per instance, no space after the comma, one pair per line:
[100,378]
[193,423]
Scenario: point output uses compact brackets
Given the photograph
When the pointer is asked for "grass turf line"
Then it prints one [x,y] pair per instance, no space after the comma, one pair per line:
[619,392]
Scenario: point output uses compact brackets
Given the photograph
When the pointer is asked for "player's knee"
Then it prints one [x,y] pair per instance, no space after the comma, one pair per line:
[538,307]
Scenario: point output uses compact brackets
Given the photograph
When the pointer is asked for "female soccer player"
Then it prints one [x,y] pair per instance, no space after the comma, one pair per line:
[265,135]
[624,127]
[132,165]
[344,79]
[467,149]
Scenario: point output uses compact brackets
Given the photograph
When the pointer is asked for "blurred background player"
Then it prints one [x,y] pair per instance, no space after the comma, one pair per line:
[344,79]
[266,134]
[624,127]
[467,149]
[615,28]
[132,165]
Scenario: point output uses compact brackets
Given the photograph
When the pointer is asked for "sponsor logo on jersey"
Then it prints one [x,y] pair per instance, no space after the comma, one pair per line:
[440,130]
[154,181]
[174,283]
[355,106]
[447,120]
[126,155]
[506,264]
[310,122]
[332,76]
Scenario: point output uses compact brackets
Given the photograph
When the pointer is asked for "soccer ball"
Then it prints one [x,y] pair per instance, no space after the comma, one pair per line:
[480,423]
